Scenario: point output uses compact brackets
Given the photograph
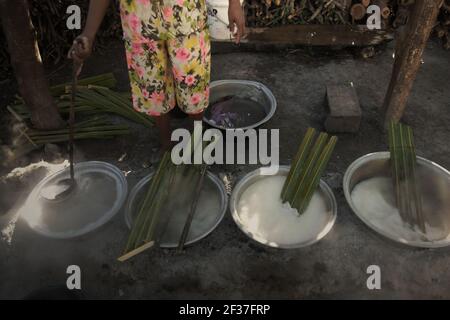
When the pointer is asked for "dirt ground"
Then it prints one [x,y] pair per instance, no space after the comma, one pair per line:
[227,264]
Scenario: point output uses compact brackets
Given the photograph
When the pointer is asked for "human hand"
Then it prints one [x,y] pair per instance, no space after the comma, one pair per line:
[236,18]
[81,49]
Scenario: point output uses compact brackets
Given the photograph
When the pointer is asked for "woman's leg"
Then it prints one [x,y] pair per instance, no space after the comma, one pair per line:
[197,116]
[162,122]
[152,84]
[191,66]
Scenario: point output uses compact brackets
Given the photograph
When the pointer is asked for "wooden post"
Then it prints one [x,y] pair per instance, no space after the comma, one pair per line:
[26,62]
[408,56]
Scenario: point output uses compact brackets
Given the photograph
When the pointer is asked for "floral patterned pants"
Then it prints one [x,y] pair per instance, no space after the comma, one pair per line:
[164,73]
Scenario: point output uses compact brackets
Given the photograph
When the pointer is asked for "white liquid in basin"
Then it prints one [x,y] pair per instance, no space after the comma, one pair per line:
[271,222]
[374,199]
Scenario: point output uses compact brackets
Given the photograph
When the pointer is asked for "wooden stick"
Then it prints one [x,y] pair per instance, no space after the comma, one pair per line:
[11,110]
[23,133]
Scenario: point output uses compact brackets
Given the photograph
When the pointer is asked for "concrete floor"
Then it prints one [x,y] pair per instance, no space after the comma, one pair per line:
[227,264]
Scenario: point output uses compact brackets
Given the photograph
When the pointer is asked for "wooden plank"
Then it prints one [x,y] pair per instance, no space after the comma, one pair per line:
[319,35]
[408,55]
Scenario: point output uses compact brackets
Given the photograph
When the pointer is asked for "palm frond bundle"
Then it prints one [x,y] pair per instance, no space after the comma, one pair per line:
[306,169]
[403,167]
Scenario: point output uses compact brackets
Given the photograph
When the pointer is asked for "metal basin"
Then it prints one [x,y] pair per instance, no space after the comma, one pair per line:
[211,209]
[325,192]
[100,192]
[434,181]
[251,90]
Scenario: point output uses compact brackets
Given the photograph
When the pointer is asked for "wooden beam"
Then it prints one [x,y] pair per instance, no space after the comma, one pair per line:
[408,54]
[319,35]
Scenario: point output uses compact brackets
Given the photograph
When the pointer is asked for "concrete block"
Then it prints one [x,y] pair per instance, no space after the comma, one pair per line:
[344,109]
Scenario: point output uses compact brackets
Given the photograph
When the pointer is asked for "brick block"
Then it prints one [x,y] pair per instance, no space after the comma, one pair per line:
[344,109]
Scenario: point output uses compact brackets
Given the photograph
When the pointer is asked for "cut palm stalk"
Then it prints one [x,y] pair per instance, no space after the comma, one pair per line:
[139,222]
[151,212]
[104,103]
[194,174]
[403,167]
[105,130]
[23,133]
[68,89]
[198,143]
[315,175]
[154,208]
[163,222]
[405,175]
[158,204]
[106,80]
[403,193]
[108,105]
[94,120]
[63,104]
[297,165]
[149,226]
[108,101]
[108,95]
[143,216]
[144,244]
[80,136]
[308,165]
[395,165]
[83,109]
[306,170]
[194,142]
[14,113]
[416,188]
[136,251]
[402,175]
[414,201]
[190,217]
[90,128]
